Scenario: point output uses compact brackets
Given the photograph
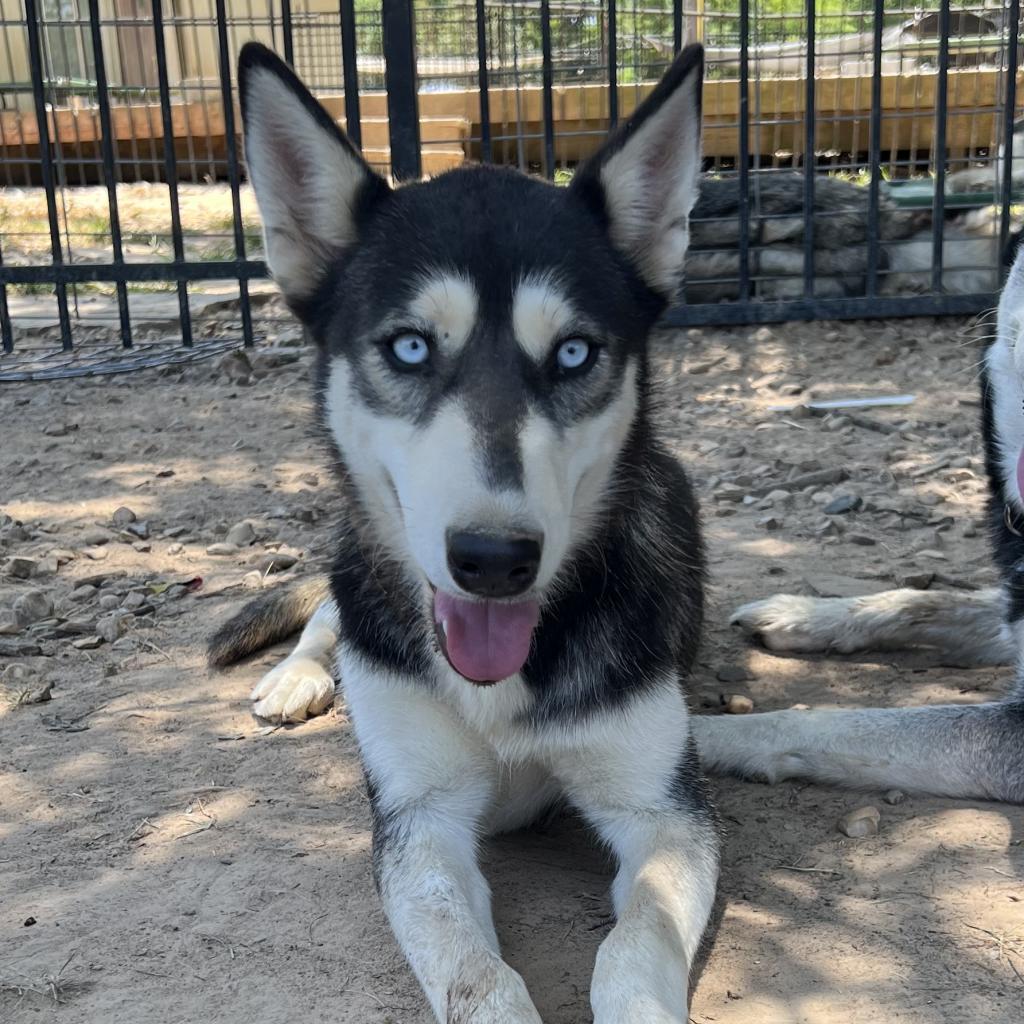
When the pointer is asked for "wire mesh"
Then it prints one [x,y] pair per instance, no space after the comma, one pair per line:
[860,156]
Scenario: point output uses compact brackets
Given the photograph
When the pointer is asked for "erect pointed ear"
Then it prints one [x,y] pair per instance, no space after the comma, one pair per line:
[646,176]
[309,180]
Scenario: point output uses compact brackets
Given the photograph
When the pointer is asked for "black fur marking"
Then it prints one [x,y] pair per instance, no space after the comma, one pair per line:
[1005,523]
[389,837]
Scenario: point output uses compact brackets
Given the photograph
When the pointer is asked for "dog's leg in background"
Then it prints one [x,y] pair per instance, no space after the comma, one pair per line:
[970,751]
[968,627]
[432,782]
[302,685]
[635,778]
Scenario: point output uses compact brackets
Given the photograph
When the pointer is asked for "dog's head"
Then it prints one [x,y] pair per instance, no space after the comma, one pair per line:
[483,338]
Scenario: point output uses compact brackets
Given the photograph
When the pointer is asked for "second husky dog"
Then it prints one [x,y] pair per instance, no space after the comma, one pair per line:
[517,588]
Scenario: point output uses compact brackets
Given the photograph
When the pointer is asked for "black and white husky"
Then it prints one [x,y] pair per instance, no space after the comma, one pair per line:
[958,750]
[517,588]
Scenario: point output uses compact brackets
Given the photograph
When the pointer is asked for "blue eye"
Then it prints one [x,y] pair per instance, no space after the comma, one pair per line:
[410,350]
[573,354]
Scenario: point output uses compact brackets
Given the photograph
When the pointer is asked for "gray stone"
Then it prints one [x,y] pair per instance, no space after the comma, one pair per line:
[175,549]
[894,796]
[32,606]
[86,593]
[275,561]
[123,516]
[860,823]
[87,643]
[241,534]
[94,536]
[21,568]
[139,529]
[96,554]
[222,548]
[108,602]
[134,601]
[843,503]
[112,627]
[862,539]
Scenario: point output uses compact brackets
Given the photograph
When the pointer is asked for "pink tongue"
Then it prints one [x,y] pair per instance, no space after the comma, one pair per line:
[486,641]
[1020,473]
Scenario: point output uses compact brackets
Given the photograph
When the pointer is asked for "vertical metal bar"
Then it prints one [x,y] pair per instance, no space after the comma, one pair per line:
[810,126]
[483,81]
[941,107]
[1009,110]
[35,58]
[109,165]
[399,38]
[231,142]
[613,64]
[547,80]
[744,151]
[875,149]
[677,25]
[171,167]
[286,31]
[350,71]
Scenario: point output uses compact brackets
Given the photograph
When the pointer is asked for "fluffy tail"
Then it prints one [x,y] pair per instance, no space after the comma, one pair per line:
[267,620]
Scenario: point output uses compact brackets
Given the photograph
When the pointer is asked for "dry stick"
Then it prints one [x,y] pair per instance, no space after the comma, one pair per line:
[817,871]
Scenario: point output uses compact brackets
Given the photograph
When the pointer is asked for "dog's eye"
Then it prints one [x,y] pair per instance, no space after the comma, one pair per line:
[410,350]
[575,355]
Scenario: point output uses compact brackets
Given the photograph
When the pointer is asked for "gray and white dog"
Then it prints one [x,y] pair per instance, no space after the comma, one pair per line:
[959,750]
[517,585]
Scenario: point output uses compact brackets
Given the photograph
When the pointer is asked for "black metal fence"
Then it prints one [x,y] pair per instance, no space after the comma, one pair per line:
[860,155]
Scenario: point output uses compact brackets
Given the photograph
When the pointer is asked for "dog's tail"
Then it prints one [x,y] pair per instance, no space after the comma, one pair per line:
[267,620]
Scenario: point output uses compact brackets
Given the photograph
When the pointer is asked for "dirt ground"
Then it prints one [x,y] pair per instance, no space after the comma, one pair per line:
[165,858]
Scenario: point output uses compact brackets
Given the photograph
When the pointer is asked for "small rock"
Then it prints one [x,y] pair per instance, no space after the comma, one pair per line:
[729,492]
[895,796]
[134,600]
[770,522]
[222,548]
[737,704]
[139,529]
[277,561]
[917,580]
[733,674]
[10,627]
[108,602]
[48,566]
[63,555]
[843,503]
[142,546]
[862,539]
[87,643]
[175,549]
[21,568]
[860,823]
[86,593]
[932,553]
[32,606]
[123,516]
[241,534]
[94,536]
[175,531]
[96,554]
[113,627]
[252,580]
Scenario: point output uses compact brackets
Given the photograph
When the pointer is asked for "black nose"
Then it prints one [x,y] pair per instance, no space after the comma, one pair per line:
[491,566]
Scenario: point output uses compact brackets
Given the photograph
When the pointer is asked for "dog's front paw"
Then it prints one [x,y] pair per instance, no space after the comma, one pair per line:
[298,688]
[496,994]
[788,622]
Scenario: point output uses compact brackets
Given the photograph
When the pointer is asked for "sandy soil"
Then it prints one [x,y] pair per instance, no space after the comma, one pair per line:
[164,858]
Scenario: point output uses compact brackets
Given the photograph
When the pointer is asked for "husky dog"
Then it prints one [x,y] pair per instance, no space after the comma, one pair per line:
[970,248]
[961,750]
[517,587]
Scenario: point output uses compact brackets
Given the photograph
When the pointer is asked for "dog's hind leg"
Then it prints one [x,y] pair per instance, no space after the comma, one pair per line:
[967,627]
[972,751]
[634,775]
[303,684]
[432,782]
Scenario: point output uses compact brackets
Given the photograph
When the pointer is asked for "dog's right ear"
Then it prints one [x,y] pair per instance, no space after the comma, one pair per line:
[310,182]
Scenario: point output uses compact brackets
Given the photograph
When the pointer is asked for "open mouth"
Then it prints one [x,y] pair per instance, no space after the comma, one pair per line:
[484,641]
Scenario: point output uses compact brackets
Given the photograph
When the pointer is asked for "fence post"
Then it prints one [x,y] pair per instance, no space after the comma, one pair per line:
[399,36]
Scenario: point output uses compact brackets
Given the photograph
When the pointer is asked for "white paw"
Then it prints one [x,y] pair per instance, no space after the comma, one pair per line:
[297,688]
[788,622]
[495,994]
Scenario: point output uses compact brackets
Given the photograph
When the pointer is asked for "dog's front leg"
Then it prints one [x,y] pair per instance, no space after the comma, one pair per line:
[638,782]
[431,782]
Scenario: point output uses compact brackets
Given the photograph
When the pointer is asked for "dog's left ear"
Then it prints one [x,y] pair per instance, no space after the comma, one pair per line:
[645,178]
